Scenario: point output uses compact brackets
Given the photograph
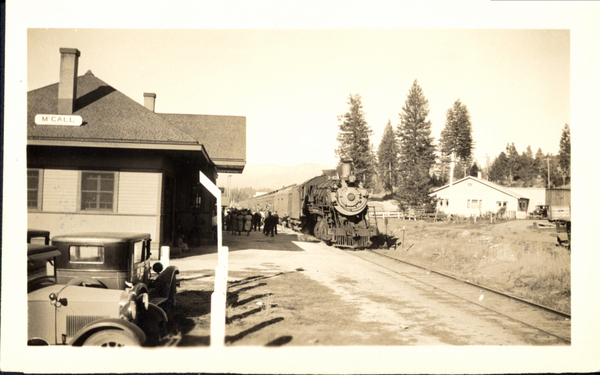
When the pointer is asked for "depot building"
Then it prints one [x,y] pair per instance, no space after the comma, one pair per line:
[98,161]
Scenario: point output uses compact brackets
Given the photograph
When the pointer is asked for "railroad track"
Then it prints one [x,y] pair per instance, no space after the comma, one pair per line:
[552,322]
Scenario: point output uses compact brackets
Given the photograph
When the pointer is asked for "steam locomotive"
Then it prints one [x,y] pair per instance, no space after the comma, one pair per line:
[332,207]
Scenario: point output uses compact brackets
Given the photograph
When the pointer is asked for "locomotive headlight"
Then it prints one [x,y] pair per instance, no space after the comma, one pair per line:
[352,178]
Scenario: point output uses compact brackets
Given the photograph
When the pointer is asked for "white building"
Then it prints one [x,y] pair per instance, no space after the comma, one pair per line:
[472,196]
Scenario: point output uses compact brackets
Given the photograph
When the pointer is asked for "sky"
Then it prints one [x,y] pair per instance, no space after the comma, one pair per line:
[292,84]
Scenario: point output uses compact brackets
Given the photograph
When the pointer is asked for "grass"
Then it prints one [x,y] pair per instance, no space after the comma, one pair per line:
[523,264]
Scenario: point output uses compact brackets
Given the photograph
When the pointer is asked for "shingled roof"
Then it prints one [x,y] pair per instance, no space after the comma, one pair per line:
[108,115]
[224,137]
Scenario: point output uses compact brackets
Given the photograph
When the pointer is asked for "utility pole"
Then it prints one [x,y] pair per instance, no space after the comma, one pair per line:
[229,189]
[548,162]
[453,160]
[391,185]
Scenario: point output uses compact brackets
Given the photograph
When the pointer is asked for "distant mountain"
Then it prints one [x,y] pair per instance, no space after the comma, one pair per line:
[271,176]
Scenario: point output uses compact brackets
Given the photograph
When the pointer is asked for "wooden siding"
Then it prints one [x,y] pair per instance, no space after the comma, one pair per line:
[60,190]
[558,197]
[138,193]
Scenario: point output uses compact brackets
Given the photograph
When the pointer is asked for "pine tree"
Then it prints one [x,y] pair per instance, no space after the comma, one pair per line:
[416,149]
[354,142]
[456,137]
[539,163]
[528,172]
[513,163]
[498,171]
[474,171]
[387,156]
[564,153]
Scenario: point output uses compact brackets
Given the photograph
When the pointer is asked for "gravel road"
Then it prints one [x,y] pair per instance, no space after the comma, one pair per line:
[387,309]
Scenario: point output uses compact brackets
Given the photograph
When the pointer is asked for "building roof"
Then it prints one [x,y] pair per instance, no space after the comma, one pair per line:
[108,115]
[484,182]
[224,137]
[112,118]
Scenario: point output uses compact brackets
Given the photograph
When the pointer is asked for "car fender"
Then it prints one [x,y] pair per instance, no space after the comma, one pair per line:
[139,289]
[161,286]
[102,324]
[156,313]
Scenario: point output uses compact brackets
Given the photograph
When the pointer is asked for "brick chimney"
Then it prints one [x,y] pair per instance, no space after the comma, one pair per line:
[149,100]
[67,85]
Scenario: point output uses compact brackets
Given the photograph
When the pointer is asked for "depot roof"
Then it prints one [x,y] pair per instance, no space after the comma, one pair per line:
[109,117]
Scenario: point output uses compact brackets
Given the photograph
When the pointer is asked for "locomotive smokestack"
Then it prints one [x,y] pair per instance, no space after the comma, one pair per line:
[346,169]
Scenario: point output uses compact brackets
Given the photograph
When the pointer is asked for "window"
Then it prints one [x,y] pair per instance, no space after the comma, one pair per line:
[97,191]
[34,189]
[501,204]
[474,203]
[522,205]
[138,251]
[86,254]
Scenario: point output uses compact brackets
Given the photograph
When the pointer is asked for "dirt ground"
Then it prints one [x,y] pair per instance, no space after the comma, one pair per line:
[287,292]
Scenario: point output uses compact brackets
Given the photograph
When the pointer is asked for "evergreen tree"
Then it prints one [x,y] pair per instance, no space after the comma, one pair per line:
[528,172]
[513,163]
[387,156]
[456,137]
[498,172]
[474,170]
[564,154]
[416,149]
[539,163]
[354,142]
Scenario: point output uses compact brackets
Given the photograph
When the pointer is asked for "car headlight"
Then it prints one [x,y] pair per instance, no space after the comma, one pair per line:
[128,305]
[129,311]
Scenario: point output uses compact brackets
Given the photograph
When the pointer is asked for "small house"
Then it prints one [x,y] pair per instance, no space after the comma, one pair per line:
[472,196]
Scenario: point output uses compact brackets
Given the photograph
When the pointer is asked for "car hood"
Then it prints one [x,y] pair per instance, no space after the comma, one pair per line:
[76,294]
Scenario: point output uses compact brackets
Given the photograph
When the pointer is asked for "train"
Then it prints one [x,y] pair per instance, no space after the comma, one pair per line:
[332,207]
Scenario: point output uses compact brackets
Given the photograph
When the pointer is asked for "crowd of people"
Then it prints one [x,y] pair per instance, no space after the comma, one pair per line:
[239,221]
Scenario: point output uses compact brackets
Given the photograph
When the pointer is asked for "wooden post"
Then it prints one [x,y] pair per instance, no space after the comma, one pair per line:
[218,299]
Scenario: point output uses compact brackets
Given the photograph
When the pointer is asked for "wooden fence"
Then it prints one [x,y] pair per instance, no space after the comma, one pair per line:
[420,215]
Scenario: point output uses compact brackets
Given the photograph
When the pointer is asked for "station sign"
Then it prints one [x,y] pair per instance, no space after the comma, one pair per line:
[65,120]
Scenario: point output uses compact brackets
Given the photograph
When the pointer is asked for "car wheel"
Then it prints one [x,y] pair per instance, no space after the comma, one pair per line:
[112,338]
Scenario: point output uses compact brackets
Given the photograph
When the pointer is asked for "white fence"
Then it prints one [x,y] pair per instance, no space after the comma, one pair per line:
[396,214]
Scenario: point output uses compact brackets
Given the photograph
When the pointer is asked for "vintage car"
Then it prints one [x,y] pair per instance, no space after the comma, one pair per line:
[540,212]
[114,260]
[66,314]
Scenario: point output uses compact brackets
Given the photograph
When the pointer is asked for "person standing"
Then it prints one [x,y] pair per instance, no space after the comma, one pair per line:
[232,221]
[256,218]
[275,222]
[240,222]
[248,222]
[267,226]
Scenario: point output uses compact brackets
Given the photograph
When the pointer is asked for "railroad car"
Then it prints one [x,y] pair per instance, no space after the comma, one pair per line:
[559,213]
[332,207]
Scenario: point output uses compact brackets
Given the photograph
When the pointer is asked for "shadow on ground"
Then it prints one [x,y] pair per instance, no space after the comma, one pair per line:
[283,241]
